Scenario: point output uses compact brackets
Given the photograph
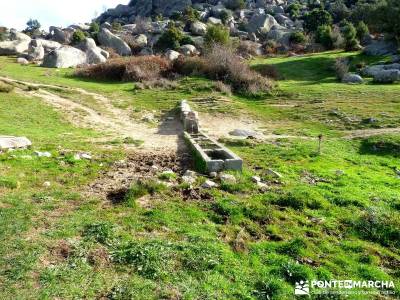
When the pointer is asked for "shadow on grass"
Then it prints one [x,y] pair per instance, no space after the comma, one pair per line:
[381,146]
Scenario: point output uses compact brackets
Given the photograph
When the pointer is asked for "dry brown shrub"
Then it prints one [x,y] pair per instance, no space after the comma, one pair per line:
[223,88]
[341,67]
[112,52]
[132,43]
[247,49]
[139,68]
[223,64]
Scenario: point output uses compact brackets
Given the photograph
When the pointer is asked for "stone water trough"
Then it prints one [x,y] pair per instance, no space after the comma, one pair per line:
[210,156]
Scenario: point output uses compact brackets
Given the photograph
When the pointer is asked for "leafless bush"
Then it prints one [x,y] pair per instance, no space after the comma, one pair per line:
[337,38]
[341,67]
[161,83]
[142,24]
[140,68]
[223,88]
[247,49]
[112,52]
[222,64]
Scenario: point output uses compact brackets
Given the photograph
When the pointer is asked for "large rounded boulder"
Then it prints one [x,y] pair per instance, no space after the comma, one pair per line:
[64,57]
[108,39]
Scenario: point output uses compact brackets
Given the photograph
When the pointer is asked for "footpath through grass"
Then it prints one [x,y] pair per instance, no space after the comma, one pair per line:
[332,215]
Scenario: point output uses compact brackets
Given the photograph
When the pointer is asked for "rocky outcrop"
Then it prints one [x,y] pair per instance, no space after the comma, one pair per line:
[172,55]
[46,44]
[94,54]
[108,39]
[198,28]
[262,23]
[381,47]
[59,35]
[387,76]
[145,8]
[17,45]
[64,57]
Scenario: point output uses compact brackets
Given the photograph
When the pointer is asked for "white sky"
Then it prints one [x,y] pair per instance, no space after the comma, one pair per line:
[15,13]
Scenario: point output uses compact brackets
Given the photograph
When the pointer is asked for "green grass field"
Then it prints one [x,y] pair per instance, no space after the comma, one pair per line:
[332,215]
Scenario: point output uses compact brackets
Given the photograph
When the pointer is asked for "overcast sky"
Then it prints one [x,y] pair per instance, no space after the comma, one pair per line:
[15,13]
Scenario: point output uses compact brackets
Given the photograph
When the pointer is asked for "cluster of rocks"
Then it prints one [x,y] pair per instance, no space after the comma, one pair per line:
[383,73]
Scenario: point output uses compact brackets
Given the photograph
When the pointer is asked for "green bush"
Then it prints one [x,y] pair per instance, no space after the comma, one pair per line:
[362,30]
[316,18]
[293,248]
[269,289]
[6,88]
[33,27]
[116,26]
[190,15]
[235,4]
[323,36]
[224,16]
[78,37]
[297,37]
[216,34]
[171,38]
[294,10]
[349,33]
[100,232]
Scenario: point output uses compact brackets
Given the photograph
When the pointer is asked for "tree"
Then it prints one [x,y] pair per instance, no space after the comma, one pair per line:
[362,30]
[33,27]
[389,18]
[350,33]
[217,34]
[323,36]
[316,18]
[339,11]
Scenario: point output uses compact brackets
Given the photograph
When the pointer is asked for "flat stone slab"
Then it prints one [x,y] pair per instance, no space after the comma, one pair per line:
[13,142]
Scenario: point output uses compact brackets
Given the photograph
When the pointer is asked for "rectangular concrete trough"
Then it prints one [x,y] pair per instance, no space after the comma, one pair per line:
[210,156]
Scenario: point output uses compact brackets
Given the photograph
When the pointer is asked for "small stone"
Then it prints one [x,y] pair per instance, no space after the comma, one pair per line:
[190,173]
[154,168]
[256,179]
[208,184]
[262,186]
[43,154]
[273,173]
[188,179]
[148,118]
[47,184]
[213,174]
[77,157]
[86,156]
[228,178]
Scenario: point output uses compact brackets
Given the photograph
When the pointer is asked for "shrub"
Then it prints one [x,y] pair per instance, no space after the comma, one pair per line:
[297,37]
[341,67]
[33,27]
[224,15]
[362,30]
[316,18]
[223,88]
[186,40]
[221,63]
[349,34]
[247,49]
[171,38]
[139,68]
[269,289]
[339,11]
[216,34]
[3,33]
[94,27]
[190,14]
[271,47]
[78,37]
[235,4]
[116,26]
[294,10]
[100,232]
[324,36]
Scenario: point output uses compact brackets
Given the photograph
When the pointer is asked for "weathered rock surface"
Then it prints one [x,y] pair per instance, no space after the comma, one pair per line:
[381,47]
[198,28]
[387,76]
[12,142]
[108,39]
[261,23]
[172,55]
[352,78]
[17,45]
[64,57]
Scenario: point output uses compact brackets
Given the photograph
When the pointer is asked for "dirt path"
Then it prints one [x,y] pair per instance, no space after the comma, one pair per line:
[364,133]
[112,121]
